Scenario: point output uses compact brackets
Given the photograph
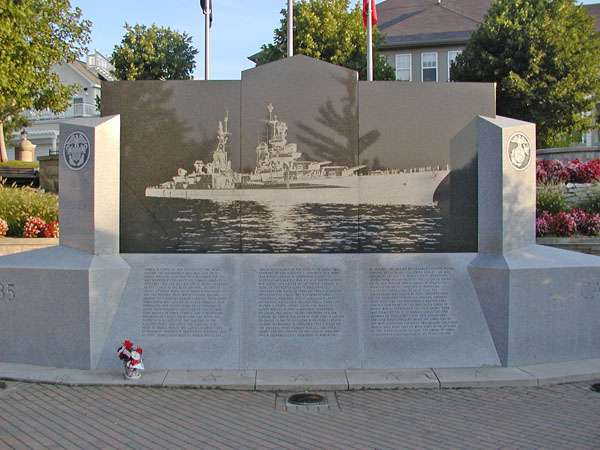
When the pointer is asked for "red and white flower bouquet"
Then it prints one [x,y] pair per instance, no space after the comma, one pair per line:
[131,357]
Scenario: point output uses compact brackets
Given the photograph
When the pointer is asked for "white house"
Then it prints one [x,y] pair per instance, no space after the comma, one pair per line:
[44,130]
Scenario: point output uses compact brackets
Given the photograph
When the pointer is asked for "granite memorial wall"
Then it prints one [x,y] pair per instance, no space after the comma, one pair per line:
[298,219]
[309,160]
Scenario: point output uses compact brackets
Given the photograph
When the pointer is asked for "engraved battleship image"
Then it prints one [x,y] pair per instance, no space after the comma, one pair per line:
[282,176]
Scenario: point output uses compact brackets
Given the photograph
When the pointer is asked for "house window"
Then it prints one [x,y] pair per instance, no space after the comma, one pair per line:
[451,57]
[403,67]
[429,66]
[77,100]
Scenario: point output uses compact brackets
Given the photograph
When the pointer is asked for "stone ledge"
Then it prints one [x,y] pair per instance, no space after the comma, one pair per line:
[323,380]
[590,246]
[10,245]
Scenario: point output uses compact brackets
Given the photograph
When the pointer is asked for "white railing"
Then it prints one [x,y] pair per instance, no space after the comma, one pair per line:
[75,110]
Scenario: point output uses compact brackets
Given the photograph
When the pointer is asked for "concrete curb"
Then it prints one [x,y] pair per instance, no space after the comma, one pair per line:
[322,380]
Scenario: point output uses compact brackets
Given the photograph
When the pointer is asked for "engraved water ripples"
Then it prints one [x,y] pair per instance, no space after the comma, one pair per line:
[211,227]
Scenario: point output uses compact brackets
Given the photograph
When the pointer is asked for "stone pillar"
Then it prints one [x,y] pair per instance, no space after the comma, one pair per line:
[506,164]
[26,150]
[89,185]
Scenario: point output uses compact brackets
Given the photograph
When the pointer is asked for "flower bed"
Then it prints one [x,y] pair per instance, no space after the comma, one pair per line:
[568,198]
[25,212]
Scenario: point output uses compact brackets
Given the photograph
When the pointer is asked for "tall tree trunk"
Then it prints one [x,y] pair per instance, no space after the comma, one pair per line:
[3,155]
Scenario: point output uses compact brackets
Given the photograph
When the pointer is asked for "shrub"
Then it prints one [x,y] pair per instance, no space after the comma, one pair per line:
[563,224]
[551,201]
[34,227]
[555,172]
[590,225]
[550,172]
[18,204]
[542,224]
[579,172]
[51,230]
[3,227]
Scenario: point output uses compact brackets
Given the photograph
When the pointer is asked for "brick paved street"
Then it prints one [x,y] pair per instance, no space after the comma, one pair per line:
[58,416]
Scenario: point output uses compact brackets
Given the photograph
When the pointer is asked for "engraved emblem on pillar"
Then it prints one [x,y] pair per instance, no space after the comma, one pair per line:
[518,151]
[76,150]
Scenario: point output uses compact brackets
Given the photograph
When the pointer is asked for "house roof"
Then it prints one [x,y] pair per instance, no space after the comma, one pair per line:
[594,10]
[409,22]
[81,67]
[414,22]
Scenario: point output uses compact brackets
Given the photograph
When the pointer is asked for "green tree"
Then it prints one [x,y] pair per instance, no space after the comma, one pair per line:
[326,30]
[544,56]
[153,54]
[35,35]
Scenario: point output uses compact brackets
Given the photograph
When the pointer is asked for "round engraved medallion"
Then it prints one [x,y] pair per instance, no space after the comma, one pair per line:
[76,150]
[518,151]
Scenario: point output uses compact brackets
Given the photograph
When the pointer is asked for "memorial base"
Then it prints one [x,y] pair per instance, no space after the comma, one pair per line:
[542,304]
[57,306]
[65,308]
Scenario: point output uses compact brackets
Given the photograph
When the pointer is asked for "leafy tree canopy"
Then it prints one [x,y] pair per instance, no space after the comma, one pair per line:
[326,30]
[153,54]
[544,56]
[35,35]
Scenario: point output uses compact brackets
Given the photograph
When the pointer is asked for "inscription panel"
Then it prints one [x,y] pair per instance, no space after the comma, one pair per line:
[184,302]
[410,301]
[299,302]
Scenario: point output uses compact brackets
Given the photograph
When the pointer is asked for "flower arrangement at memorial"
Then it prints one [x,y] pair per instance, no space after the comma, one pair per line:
[131,357]
[3,227]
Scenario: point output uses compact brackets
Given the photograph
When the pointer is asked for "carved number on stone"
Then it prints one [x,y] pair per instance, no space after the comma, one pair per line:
[7,291]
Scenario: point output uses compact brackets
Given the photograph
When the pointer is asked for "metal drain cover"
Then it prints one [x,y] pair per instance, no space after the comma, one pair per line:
[306,399]
[595,387]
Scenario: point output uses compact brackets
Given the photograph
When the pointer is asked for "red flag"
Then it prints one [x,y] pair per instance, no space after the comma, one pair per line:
[373,12]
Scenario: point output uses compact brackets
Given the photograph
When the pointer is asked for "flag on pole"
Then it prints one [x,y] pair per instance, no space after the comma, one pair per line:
[366,12]
[206,6]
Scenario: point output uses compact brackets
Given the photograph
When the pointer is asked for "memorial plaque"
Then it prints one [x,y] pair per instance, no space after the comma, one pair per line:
[184,302]
[300,312]
[411,301]
[299,302]
[421,311]
[183,310]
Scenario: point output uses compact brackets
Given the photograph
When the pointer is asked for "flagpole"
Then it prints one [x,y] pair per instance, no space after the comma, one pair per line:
[290,29]
[370,41]
[207,13]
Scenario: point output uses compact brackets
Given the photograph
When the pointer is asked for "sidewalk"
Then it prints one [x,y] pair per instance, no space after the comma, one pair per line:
[322,380]
[41,416]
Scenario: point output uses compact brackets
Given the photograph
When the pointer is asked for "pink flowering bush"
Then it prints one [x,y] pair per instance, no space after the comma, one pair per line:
[3,227]
[50,230]
[567,224]
[579,172]
[563,224]
[542,224]
[590,226]
[555,172]
[551,172]
[34,227]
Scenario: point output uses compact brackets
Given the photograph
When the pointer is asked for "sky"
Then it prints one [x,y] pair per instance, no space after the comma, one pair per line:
[239,27]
